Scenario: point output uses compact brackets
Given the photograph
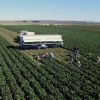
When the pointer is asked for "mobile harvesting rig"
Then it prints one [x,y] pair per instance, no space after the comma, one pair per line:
[30,40]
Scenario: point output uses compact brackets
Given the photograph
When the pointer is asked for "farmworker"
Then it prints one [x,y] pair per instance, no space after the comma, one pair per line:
[38,58]
[79,64]
[47,54]
[51,56]
[44,55]
[76,51]
[98,59]
[71,57]
[89,56]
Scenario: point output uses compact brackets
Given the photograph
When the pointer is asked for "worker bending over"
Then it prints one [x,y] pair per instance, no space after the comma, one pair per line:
[51,56]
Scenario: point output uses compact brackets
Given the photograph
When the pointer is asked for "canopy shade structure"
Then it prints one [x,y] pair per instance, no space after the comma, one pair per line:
[42,38]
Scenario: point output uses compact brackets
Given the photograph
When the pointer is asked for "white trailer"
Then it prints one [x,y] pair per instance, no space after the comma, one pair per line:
[30,40]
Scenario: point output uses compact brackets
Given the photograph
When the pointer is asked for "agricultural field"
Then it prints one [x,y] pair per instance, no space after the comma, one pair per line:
[23,78]
[86,37]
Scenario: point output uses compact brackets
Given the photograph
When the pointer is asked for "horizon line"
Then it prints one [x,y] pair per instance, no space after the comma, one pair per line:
[51,20]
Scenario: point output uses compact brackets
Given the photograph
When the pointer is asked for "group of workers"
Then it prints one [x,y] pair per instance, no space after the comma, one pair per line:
[75,54]
[98,58]
[45,55]
[73,57]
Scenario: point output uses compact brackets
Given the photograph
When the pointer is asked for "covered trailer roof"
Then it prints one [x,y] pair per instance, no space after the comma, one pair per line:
[41,38]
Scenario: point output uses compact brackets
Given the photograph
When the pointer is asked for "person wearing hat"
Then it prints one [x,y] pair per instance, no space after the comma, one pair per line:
[98,59]
[38,58]
[79,64]
[51,56]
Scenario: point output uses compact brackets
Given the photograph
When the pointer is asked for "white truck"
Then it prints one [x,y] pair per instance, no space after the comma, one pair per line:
[30,40]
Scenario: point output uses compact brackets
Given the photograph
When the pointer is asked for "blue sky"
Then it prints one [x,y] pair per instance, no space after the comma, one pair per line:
[78,10]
